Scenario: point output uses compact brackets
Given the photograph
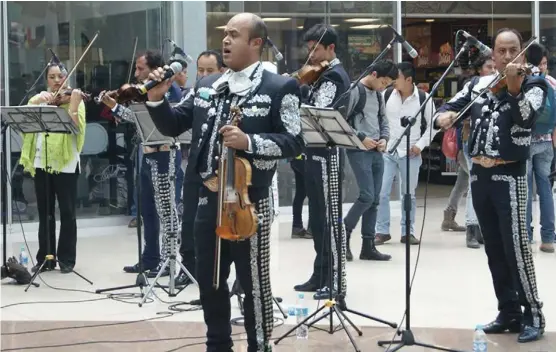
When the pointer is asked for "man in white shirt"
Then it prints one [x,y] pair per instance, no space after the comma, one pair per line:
[403,101]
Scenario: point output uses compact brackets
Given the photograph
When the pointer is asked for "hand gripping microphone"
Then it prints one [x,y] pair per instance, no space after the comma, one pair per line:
[483,49]
[175,67]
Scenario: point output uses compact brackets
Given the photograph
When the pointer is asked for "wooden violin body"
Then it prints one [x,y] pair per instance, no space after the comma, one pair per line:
[237,219]
[63,97]
[126,93]
[309,74]
[502,84]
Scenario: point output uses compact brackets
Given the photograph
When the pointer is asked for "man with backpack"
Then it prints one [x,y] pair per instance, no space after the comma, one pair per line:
[366,115]
[540,162]
[403,101]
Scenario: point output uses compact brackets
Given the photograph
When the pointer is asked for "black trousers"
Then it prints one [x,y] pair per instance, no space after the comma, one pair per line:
[500,201]
[191,187]
[298,167]
[319,185]
[61,187]
[252,261]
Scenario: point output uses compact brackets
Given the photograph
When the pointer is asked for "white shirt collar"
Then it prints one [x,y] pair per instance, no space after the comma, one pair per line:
[239,82]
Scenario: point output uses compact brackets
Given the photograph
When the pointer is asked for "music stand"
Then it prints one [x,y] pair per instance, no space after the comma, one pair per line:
[237,290]
[327,128]
[41,119]
[150,135]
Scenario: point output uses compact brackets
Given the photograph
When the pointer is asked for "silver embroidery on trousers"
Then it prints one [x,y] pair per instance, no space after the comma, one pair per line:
[260,275]
[202,201]
[164,188]
[524,258]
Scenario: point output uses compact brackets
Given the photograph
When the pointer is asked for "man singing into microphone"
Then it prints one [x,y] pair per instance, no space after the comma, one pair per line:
[499,143]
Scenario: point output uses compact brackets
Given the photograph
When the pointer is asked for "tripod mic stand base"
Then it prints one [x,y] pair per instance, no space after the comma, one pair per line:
[50,258]
[343,306]
[408,339]
[140,281]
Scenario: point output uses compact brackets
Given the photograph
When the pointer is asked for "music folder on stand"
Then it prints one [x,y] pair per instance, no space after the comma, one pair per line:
[327,128]
[39,119]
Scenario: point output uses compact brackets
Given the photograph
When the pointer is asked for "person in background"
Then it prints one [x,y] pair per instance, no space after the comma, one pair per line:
[540,162]
[298,167]
[366,114]
[54,163]
[208,62]
[402,101]
[484,66]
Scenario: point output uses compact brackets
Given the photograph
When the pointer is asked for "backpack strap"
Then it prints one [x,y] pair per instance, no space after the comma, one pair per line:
[358,99]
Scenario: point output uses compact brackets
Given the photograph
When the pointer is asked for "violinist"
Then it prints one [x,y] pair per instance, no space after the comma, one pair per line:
[269,130]
[500,136]
[322,41]
[154,169]
[53,159]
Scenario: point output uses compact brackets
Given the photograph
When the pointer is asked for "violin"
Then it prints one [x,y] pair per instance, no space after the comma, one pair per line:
[237,219]
[126,93]
[309,74]
[502,84]
[61,99]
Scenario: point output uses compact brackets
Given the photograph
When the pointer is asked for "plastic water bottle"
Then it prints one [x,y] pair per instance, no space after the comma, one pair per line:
[301,313]
[23,257]
[480,343]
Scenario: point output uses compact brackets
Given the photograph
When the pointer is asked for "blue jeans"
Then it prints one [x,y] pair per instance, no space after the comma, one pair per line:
[470,215]
[155,165]
[538,165]
[367,167]
[395,166]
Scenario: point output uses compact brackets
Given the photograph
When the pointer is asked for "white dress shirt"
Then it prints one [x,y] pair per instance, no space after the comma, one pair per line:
[396,109]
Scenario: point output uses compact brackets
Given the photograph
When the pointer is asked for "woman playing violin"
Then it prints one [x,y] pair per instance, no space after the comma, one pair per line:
[499,142]
[53,159]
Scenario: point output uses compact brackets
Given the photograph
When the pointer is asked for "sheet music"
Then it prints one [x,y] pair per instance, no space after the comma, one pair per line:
[148,132]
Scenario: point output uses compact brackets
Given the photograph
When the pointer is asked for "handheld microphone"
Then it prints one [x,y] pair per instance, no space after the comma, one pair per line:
[410,50]
[277,54]
[179,51]
[175,67]
[483,49]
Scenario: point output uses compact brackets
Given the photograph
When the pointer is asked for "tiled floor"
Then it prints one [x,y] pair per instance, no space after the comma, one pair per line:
[451,294]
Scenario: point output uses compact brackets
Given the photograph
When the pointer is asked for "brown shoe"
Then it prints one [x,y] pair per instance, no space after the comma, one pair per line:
[132,223]
[449,223]
[412,240]
[547,247]
[382,238]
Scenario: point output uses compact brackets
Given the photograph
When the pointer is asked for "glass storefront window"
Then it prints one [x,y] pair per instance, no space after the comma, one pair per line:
[106,182]
[547,25]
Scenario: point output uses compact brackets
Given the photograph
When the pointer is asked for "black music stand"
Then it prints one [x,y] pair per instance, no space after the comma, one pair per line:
[41,119]
[237,291]
[327,128]
[150,135]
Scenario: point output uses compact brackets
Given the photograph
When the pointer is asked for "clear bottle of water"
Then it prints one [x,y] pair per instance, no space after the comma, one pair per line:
[23,257]
[480,343]
[301,312]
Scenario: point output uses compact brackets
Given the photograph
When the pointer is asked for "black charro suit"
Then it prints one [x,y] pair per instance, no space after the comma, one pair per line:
[271,121]
[325,93]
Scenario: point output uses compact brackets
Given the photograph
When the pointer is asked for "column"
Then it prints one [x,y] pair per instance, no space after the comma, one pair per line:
[398,26]
[536,19]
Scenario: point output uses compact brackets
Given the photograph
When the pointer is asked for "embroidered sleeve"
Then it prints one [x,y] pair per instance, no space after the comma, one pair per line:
[285,139]
[173,121]
[529,104]
[325,94]
[457,103]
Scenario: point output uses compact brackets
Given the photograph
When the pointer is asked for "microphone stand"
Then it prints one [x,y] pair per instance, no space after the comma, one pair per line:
[407,337]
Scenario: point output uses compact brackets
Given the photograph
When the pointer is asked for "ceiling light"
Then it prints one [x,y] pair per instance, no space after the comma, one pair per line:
[334,25]
[220,27]
[299,27]
[276,19]
[367,26]
[361,20]
[429,20]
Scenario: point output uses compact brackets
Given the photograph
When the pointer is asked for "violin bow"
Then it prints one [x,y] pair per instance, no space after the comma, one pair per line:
[500,76]
[76,64]
[315,47]
[132,57]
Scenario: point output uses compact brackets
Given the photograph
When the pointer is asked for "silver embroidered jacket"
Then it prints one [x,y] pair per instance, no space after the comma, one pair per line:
[270,120]
[500,124]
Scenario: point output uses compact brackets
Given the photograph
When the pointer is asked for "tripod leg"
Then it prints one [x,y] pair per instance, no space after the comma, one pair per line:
[435,347]
[389,343]
[75,272]
[394,325]
[298,325]
[397,347]
[319,318]
[155,281]
[338,312]
[280,307]
[35,275]
[116,288]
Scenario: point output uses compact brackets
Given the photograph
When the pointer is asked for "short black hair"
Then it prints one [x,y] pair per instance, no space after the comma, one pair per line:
[216,54]
[315,33]
[154,59]
[504,30]
[386,68]
[407,69]
[478,64]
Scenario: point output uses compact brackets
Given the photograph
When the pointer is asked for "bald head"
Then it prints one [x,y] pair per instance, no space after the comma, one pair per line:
[245,37]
